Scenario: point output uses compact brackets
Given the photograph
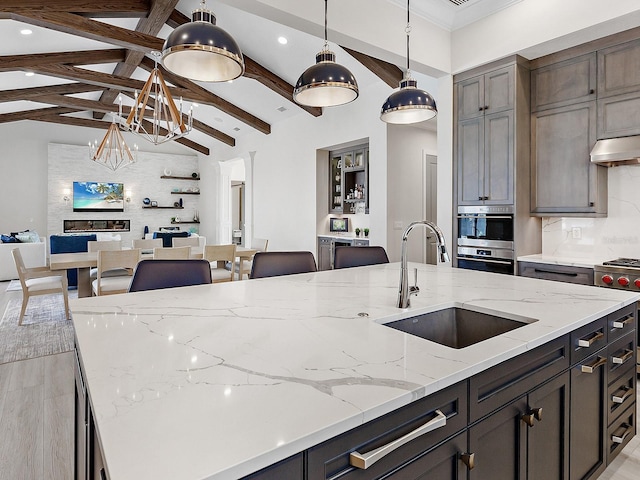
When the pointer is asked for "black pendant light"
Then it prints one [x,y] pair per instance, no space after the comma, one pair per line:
[327,83]
[408,104]
[200,50]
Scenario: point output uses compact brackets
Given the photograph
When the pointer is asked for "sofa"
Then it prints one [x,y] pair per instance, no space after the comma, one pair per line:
[70,244]
[33,254]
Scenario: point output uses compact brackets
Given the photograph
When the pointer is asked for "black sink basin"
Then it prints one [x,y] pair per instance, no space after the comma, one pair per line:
[457,327]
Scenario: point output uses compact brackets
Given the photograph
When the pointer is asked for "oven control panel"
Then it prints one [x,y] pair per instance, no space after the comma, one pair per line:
[620,280]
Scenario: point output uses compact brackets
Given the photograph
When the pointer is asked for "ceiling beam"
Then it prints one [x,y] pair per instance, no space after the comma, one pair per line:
[103,8]
[30,93]
[86,57]
[387,72]
[33,114]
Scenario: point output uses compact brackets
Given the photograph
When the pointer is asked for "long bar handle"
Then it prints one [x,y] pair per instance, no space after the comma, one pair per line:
[587,342]
[365,460]
[600,361]
[621,395]
[622,323]
[620,359]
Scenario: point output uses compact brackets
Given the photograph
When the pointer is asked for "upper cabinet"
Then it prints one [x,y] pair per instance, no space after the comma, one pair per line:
[564,83]
[349,180]
[486,94]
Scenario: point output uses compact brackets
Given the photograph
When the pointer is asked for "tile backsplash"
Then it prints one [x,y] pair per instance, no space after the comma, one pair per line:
[617,235]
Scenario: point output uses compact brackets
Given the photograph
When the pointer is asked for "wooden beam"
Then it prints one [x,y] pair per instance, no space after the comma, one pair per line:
[33,114]
[86,57]
[29,93]
[387,72]
[102,8]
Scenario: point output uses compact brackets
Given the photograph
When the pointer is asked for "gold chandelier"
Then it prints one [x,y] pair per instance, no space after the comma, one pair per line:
[113,152]
[156,102]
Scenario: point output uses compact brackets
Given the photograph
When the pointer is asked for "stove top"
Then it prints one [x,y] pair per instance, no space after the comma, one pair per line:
[624,262]
[622,273]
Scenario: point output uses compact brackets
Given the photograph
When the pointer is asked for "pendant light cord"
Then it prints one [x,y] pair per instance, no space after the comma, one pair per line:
[326,42]
[408,31]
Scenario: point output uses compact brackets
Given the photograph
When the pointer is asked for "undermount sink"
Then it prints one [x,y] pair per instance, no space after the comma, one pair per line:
[457,327]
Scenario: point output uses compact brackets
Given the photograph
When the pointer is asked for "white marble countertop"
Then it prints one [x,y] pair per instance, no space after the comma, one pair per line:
[558,260]
[219,381]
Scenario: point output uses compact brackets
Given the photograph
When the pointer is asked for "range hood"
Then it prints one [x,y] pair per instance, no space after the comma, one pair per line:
[617,151]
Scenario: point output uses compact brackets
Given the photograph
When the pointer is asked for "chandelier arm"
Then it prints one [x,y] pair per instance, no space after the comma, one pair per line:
[176,116]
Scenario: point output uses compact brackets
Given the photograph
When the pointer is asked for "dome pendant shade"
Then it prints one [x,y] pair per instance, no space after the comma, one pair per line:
[202,51]
[408,105]
[325,84]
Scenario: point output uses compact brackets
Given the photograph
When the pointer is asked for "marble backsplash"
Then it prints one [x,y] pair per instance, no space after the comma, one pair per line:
[617,235]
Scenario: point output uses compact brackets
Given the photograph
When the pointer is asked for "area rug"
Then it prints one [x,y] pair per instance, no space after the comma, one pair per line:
[13,286]
[44,330]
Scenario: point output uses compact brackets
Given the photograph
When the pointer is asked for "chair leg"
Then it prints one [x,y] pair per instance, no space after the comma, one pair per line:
[25,300]
[66,305]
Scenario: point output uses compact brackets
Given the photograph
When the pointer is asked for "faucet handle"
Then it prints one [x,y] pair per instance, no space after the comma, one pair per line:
[414,289]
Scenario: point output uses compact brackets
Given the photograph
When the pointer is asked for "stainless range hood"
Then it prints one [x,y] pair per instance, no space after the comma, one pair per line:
[617,151]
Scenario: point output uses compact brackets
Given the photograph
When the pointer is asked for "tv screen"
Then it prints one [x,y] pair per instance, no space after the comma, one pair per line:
[338,224]
[98,197]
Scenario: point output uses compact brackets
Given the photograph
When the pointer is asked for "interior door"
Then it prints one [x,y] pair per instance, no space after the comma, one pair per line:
[430,196]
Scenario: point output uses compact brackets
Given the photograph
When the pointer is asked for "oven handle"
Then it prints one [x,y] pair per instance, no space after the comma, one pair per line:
[486,260]
[484,215]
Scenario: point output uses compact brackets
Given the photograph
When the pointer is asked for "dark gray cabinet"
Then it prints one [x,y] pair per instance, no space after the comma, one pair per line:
[558,273]
[486,94]
[619,69]
[324,253]
[563,179]
[349,180]
[291,468]
[564,83]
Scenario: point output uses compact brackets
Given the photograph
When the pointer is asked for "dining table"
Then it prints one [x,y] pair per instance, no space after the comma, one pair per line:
[83,262]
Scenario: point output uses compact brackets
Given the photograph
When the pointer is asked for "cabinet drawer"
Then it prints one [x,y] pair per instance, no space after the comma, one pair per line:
[291,468]
[622,322]
[361,243]
[620,433]
[621,355]
[331,459]
[588,339]
[324,241]
[497,386]
[558,273]
[621,394]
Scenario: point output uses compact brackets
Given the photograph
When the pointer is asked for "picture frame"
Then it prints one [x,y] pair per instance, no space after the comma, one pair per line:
[154,203]
[338,225]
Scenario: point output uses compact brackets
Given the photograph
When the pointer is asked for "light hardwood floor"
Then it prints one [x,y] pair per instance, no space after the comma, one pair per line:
[37,420]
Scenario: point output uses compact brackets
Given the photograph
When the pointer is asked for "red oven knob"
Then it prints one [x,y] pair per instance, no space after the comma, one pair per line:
[624,281]
[608,279]
[636,282]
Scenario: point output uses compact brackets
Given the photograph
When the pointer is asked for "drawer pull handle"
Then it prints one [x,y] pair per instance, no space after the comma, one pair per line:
[622,323]
[587,342]
[619,437]
[620,396]
[622,358]
[553,272]
[600,361]
[365,460]
[469,459]
[532,415]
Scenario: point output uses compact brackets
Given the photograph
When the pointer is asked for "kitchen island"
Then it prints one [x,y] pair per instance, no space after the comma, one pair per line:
[220,381]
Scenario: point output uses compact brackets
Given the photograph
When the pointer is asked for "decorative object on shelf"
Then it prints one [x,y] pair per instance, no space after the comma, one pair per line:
[166,121]
[154,203]
[146,201]
[194,175]
[167,172]
[408,104]
[176,219]
[200,50]
[366,232]
[327,83]
[357,232]
[176,204]
[180,201]
[196,216]
[112,152]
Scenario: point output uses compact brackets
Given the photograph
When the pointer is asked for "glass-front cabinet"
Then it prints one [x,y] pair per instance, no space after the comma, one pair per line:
[349,180]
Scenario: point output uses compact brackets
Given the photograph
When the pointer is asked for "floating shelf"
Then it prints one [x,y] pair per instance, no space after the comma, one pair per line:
[172,208]
[185,193]
[178,223]
[172,177]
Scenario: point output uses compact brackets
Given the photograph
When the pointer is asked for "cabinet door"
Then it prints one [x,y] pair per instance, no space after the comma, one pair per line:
[471,161]
[619,116]
[499,90]
[498,444]
[292,469]
[548,437]
[619,69]
[324,253]
[563,179]
[498,158]
[336,164]
[470,95]
[564,83]
[587,455]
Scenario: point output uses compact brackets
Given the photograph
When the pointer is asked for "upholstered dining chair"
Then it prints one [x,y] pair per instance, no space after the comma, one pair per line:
[273,264]
[258,244]
[193,242]
[346,257]
[158,274]
[218,256]
[110,259]
[175,253]
[96,246]
[39,281]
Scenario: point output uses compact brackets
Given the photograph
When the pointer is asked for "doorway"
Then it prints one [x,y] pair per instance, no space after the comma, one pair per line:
[430,182]
[237,211]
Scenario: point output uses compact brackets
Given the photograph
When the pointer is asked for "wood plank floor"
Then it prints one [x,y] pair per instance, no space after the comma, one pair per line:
[37,420]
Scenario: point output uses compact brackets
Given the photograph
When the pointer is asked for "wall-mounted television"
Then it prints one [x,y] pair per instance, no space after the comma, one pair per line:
[338,225]
[98,197]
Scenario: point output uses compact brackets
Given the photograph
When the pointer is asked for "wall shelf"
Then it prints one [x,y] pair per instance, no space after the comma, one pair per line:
[178,223]
[172,208]
[173,177]
[185,193]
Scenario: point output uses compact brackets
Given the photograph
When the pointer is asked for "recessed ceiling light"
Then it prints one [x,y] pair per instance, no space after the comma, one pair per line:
[29,74]
[236,129]
[282,40]
[26,31]
[281,109]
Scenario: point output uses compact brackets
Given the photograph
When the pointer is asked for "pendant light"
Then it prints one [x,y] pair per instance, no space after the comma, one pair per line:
[200,50]
[327,83]
[408,104]
[112,152]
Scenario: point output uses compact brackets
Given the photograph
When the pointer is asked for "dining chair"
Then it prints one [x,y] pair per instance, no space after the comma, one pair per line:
[110,259]
[273,264]
[346,257]
[146,245]
[193,242]
[158,274]
[243,266]
[96,246]
[218,256]
[39,281]
[172,253]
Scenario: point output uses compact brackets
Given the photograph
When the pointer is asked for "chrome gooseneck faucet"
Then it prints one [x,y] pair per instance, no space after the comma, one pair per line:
[405,291]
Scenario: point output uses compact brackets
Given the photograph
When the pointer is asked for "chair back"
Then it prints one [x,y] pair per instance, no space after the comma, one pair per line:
[346,257]
[172,253]
[97,245]
[259,244]
[115,259]
[273,264]
[147,244]
[219,256]
[22,270]
[157,274]
[185,242]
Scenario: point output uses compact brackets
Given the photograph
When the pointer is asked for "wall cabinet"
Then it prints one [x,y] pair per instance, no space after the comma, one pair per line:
[486,94]
[563,179]
[349,180]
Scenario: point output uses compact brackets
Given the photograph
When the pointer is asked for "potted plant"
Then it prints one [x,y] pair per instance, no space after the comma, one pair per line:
[366,232]
[357,232]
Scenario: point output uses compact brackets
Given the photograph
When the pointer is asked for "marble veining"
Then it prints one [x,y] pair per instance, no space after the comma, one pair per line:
[218,381]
